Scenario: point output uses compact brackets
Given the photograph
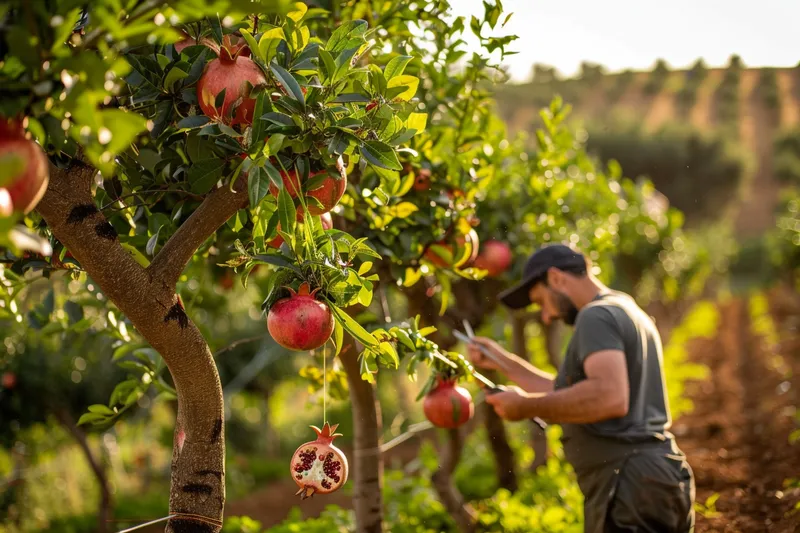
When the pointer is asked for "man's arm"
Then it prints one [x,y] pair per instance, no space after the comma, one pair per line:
[527,376]
[602,396]
[518,370]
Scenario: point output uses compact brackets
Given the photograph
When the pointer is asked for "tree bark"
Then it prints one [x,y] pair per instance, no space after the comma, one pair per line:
[463,513]
[147,297]
[105,512]
[503,453]
[368,461]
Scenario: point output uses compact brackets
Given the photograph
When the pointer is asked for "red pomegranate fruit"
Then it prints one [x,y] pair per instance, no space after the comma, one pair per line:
[328,193]
[30,175]
[319,466]
[422,181]
[230,71]
[186,42]
[447,405]
[495,258]
[463,254]
[8,380]
[300,322]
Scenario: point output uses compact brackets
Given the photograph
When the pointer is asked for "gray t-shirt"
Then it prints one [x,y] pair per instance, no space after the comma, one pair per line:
[613,321]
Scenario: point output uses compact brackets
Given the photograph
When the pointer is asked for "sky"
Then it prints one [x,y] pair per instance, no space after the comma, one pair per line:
[622,34]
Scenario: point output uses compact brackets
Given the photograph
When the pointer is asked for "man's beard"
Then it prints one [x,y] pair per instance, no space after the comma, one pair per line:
[567,310]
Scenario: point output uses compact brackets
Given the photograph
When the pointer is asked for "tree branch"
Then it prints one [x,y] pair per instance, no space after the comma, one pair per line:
[216,209]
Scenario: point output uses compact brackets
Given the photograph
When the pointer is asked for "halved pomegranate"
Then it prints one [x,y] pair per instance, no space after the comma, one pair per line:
[30,174]
[319,466]
[328,193]
[300,322]
[447,405]
[230,71]
[495,258]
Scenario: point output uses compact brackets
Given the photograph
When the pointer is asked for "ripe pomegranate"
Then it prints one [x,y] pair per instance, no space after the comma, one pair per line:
[29,182]
[422,182]
[230,71]
[8,380]
[495,257]
[300,322]
[465,252]
[329,193]
[319,466]
[185,42]
[447,405]
[226,282]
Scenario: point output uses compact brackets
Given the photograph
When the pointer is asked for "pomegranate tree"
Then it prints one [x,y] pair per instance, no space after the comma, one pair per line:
[448,405]
[325,219]
[29,176]
[495,257]
[319,466]
[231,72]
[300,322]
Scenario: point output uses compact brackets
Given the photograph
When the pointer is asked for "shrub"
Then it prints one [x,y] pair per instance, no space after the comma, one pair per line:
[697,172]
[787,156]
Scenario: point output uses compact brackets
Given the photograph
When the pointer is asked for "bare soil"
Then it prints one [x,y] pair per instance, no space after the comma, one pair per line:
[737,436]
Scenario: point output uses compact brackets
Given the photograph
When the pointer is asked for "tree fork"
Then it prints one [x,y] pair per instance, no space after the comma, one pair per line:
[147,297]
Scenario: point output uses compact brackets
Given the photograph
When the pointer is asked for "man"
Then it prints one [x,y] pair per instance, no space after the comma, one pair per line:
[609,396]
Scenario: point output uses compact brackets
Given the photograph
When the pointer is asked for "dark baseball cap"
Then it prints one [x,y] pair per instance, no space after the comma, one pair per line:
[553,255]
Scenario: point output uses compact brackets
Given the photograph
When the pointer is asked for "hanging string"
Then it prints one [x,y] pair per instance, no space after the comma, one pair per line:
[199,518]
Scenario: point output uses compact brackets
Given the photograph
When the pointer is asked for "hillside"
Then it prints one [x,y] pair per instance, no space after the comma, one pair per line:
[749,104]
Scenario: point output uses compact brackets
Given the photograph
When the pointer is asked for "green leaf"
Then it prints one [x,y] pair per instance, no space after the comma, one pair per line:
[288,82]
[354,328]
[326,64]
[251,42]
[257,186]
[298,12]
[380,154]
[196,121]
[175,75]
[364,268]
[396,66]
[346,36]
[286,211]
[417,121]
[197,68]
[124,128]
[277,260]
[100,409]
[351,97]
[412,82]
[475,26]
[123,350]
[203,175]
[338,336]
[269,42]
[152,242]
[90,418]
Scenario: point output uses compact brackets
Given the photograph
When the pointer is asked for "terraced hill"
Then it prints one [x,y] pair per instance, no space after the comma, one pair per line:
[749,104]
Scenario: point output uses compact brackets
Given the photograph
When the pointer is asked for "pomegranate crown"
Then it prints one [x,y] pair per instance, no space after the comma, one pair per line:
[304,290]
[327,432]
[229,50]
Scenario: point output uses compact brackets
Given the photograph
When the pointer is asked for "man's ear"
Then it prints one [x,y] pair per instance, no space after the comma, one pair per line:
[553,277]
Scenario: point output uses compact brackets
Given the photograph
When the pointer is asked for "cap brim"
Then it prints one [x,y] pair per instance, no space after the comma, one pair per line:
[518,296]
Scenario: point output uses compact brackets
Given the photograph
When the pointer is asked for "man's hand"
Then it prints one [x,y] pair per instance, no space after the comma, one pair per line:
[511,404]
[479,359]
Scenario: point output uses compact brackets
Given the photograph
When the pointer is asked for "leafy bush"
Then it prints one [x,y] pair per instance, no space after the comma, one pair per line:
[657,78]
[768,89]
[783,242]
[695,76]
[728,96]
[698,172]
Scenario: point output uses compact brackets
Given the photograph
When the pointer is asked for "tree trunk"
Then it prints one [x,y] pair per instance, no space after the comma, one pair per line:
[147,298]
[501,449]
[105,512]
[368,463]
[463,514]
[538,435]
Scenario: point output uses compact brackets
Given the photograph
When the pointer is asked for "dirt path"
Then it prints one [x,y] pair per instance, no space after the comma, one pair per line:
[737,436]
[790,108]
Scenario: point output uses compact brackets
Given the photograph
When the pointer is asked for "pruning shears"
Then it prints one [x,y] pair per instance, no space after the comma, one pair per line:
[490,387]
